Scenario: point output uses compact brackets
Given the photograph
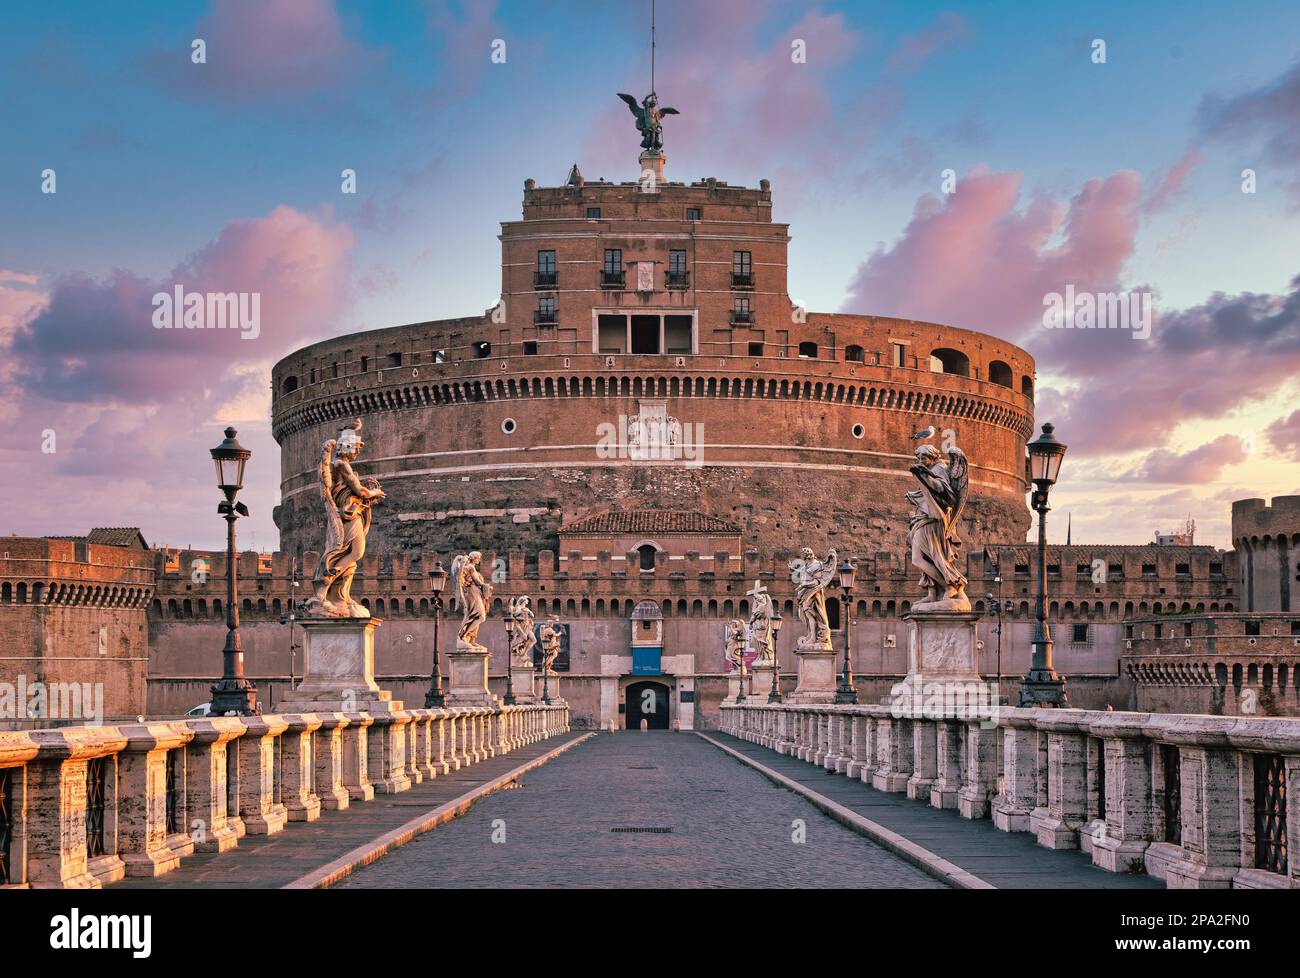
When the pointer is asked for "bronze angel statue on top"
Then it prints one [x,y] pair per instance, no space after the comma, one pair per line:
[347,521]
[649,120]
[932,529]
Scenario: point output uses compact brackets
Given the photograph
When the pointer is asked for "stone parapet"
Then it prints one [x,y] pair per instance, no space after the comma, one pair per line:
[1199,801]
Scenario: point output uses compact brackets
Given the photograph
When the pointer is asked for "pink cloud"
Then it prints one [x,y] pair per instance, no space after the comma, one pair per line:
[1172,182]
[1269,114]
[1199,465]
[976,258]
[1284,435]
[135,409]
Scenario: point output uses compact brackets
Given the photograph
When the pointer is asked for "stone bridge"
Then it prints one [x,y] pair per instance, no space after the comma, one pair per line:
[1193,801]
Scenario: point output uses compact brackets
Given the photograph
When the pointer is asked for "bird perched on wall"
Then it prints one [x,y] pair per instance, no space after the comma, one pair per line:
[923,434]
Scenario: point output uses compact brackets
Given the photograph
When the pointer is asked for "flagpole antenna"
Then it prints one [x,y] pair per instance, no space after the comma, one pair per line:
[652,45]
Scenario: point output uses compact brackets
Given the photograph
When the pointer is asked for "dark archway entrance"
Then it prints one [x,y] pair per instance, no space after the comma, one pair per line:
[648,701]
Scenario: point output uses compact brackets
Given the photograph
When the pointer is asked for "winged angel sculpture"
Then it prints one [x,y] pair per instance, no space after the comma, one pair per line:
[347,521]
[474,593]
[649,119]
[932,529]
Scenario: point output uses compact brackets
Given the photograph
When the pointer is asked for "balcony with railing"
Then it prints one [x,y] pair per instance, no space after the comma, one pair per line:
[742,280]
[613,279]
[544,317]
[742,317]
[545,280]
[677,280]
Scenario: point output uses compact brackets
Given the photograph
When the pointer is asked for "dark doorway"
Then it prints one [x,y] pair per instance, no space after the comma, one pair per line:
[645,334]
[648,701]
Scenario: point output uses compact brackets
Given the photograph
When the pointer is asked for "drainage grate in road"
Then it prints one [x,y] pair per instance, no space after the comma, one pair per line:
[652,828]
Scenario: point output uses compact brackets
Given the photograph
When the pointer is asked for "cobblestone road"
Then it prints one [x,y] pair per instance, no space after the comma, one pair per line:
[730,827]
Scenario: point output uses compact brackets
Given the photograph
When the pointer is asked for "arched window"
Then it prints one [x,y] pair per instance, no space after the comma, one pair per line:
[646,556]
[289,385]
[1027,386]
[808,350]
[946,361]
[854,354]
[1000,373]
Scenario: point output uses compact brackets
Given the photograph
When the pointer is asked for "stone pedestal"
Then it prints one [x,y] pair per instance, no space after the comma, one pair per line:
[339,669]
[817,679]
[552,688]
[941,647]
[654,162]
[523,679]
[468,685]
[760,682]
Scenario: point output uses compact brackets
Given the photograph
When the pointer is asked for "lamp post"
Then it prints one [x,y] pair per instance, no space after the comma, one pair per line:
[509,698]
[845,692]
[435,697]
[234,693]
[775,695]
[1041,685]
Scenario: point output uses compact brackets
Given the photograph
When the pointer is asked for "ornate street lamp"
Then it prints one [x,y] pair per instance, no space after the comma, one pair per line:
[845,692]
[1041,685]
[509,698]
[775,695]
[234,693]
[434,697]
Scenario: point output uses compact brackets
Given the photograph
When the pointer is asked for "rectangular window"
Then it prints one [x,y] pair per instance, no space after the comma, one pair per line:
[692,213]
[741,312]
[613,261]
[1183,569]
[1252,628]
[545,310]
[755,349]
[1187,629]
[1079,634]
[545,275]
[742,270]
[1022,570]
[1148,570]
[678,276]
[530,348]
[900,353]
[593,213]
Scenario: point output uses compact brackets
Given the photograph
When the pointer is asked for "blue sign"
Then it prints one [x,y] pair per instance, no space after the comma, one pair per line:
[645,660]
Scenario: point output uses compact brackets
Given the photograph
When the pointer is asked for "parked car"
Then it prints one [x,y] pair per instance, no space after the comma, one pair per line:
[202,710]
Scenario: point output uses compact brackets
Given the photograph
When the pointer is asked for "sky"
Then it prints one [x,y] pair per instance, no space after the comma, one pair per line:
[949,162]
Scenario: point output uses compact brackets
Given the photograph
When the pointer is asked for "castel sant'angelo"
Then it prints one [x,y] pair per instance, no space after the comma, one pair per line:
[643,428]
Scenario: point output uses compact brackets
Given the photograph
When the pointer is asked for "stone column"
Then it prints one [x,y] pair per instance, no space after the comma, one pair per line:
[258,760]
[356,756]
[438,742]
[825,747]
[417,746]
[298,773]
[980,779]
[57,853]
[16,749]
[387,753]
[947,782]
[1019,797]
[895,744]
[925,759]
[1067,779]
[1213,819]
[330,786]
[206,792]
[870,744]
[146,847]
[1129,819]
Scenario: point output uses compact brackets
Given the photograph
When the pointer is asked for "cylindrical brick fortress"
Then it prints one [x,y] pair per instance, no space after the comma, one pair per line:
[625,312]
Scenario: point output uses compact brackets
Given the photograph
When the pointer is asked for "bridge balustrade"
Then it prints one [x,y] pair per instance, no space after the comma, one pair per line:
[81,807]
[1197,801]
